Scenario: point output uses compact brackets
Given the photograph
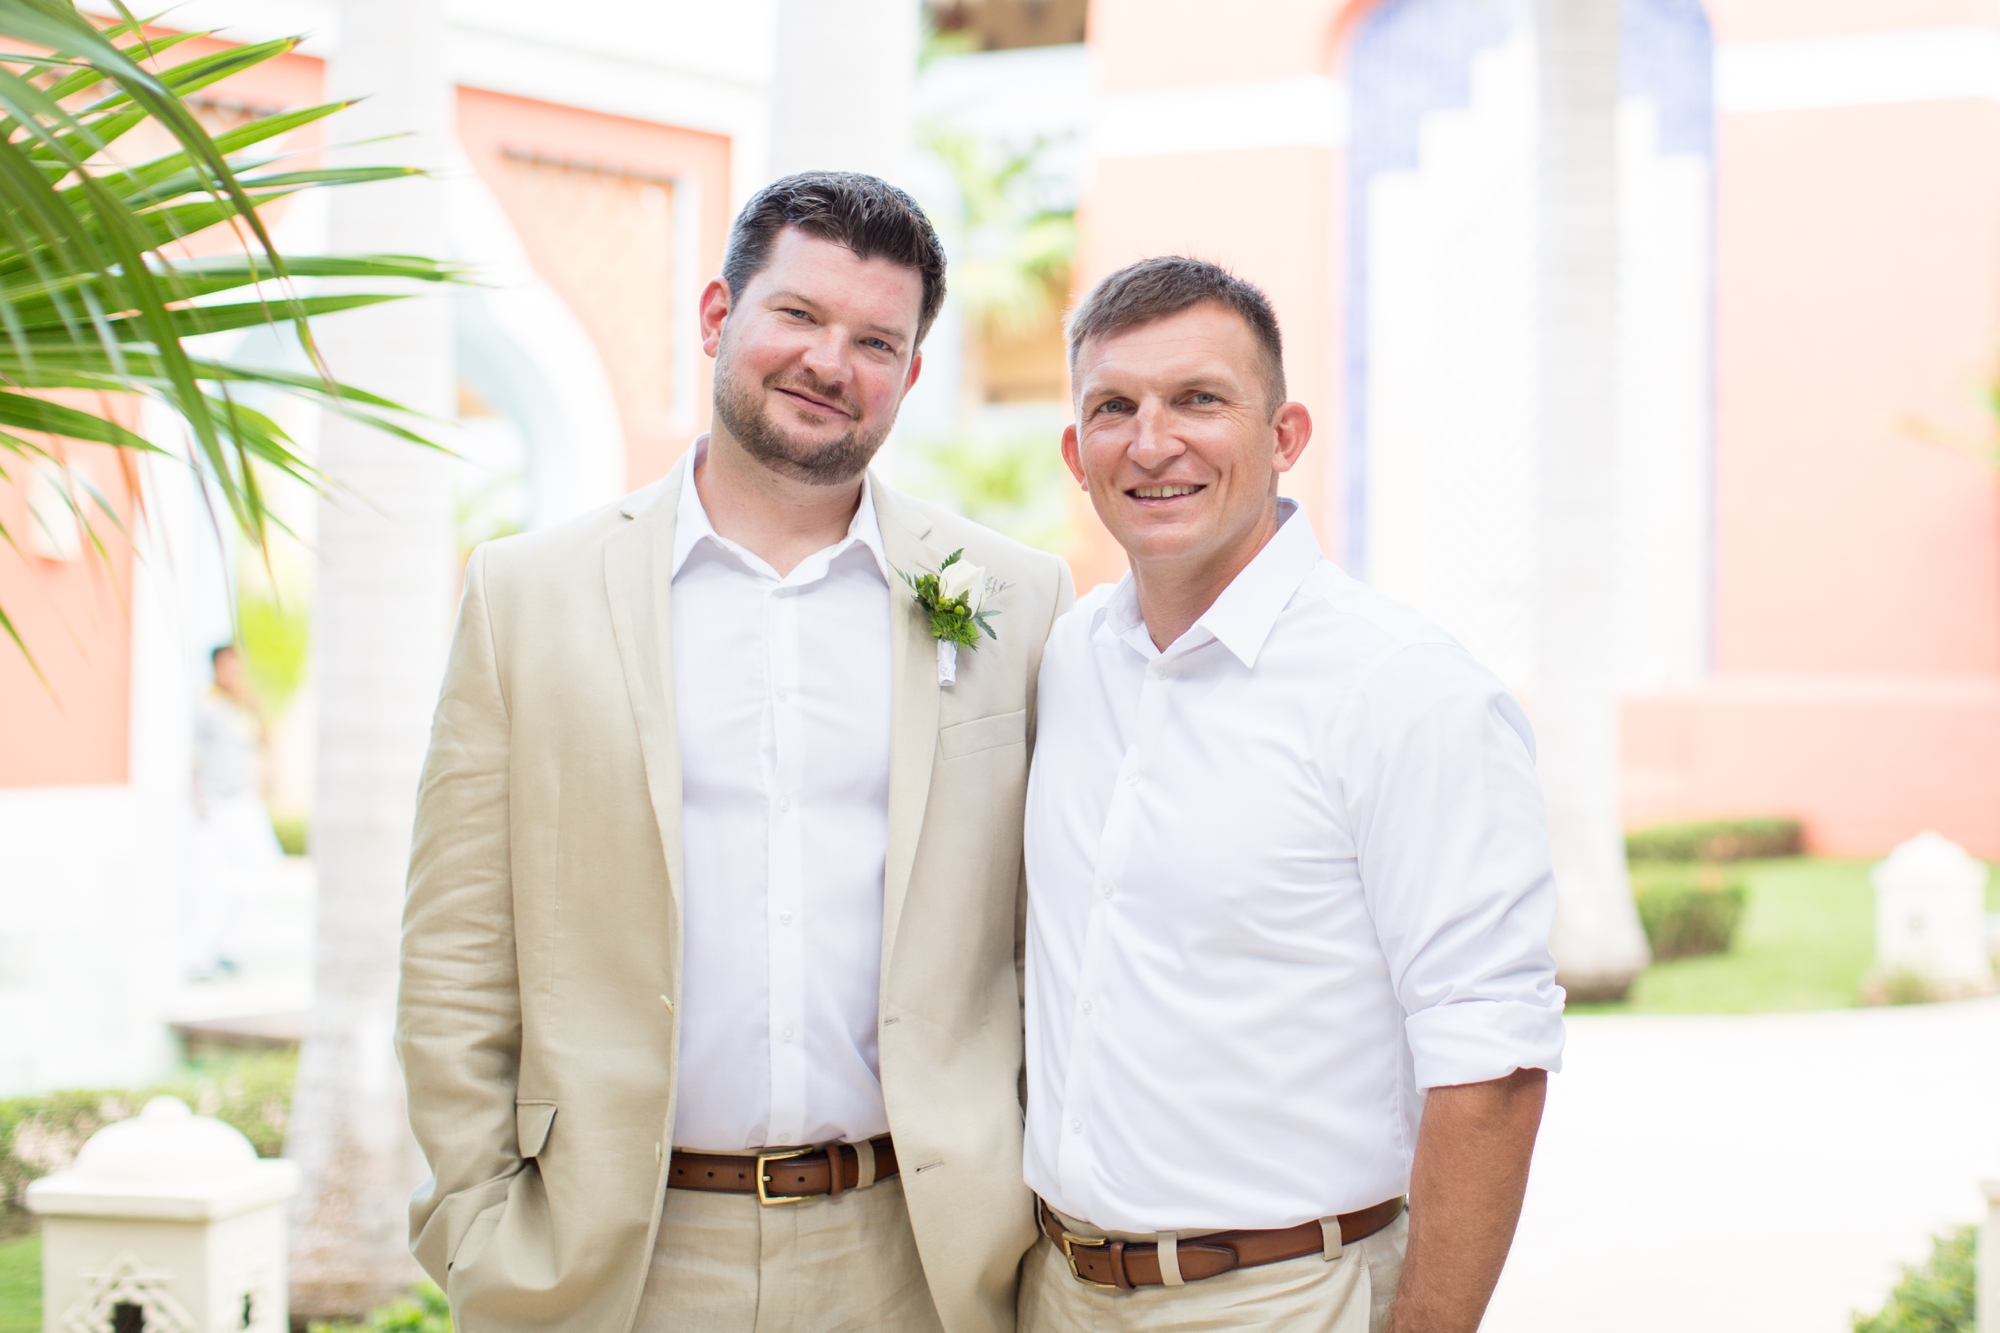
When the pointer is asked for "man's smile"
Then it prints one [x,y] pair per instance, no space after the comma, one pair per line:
[1171,491]
[813,403]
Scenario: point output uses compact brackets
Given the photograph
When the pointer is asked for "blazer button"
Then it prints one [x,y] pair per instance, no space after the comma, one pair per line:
[669,1003]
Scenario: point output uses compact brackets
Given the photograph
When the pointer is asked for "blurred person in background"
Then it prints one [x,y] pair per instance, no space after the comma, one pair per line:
[1288,883]
[232,851]
[709,1012]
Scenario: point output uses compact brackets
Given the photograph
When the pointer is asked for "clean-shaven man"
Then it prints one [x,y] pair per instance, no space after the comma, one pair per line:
[1288,882]
[709,1009]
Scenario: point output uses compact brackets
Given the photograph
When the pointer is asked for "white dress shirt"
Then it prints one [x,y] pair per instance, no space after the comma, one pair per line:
[781,687]
[1282,877]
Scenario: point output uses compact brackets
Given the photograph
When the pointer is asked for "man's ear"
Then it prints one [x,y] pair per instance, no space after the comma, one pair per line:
[714,309]
[916,368]
[1293,427]
[1073,456]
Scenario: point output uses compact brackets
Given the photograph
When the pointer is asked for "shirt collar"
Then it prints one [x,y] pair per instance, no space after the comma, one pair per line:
[1243,617]
[691,524]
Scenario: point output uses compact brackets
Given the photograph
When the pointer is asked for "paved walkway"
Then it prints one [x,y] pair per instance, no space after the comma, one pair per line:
[1756,1173]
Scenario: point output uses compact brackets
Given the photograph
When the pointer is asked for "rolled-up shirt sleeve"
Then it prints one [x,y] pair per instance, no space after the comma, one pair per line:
[1438,770]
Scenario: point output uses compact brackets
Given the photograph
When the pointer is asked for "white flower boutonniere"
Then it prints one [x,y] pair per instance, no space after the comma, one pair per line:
[958,598]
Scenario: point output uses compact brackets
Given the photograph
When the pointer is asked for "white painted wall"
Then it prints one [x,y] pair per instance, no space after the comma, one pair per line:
[1451,442]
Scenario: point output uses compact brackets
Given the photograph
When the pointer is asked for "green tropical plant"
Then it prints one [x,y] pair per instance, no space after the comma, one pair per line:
[424,1310]
[1934,1298]
[1011,250]
[100,300]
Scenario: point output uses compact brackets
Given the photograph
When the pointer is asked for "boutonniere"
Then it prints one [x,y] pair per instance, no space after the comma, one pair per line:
[958,598]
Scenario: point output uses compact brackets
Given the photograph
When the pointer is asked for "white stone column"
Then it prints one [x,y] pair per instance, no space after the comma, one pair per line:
[843,86]
[1598,943]
[387,579]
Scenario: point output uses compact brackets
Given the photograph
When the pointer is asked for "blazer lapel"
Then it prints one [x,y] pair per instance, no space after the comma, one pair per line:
[638,576]
[913,727]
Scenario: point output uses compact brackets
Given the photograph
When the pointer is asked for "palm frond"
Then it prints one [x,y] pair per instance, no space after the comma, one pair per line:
[97,293]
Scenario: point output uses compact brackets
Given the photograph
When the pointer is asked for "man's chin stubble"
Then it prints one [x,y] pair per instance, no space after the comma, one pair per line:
[832,464]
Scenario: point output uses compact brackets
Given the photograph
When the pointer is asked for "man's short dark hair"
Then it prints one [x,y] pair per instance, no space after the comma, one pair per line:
[866,214]
[1156,288]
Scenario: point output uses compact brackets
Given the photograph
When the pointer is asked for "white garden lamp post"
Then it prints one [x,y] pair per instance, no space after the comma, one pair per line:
[1930,916]
[168,1223]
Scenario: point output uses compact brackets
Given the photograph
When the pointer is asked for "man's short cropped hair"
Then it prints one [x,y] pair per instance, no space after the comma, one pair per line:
[866,214]
[1156,288]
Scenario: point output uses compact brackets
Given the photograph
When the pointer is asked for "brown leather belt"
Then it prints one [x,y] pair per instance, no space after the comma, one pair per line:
[1118,1265]
[784,1175]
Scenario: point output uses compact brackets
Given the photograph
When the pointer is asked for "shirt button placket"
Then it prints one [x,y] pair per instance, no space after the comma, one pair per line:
[785,889]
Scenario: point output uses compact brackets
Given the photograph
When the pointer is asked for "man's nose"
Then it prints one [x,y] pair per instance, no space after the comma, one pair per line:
[826,357]
[1153,444]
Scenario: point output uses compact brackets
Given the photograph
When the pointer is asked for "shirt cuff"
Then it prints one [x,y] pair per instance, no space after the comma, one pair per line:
[1477,1041]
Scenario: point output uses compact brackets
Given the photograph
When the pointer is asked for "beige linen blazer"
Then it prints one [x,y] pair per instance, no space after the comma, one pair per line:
[541,959]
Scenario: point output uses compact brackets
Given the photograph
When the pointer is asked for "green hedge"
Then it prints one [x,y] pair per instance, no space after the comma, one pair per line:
[291,831]
[1687,909]
[423,1311]
[41,1135]
[1933,1298]
[1716,840]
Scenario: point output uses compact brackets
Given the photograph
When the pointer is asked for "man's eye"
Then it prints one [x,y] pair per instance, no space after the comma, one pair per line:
[1205,398]
[880,345]
[798,314]
[1113,406]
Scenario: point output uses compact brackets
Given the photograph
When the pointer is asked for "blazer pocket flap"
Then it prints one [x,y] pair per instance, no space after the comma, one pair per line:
[531,1122]
[983,733]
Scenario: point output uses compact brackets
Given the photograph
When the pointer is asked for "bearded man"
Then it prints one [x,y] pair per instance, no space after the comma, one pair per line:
[709,1010]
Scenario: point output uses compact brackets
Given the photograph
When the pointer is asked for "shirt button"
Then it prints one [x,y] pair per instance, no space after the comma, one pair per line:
[1132,778]
[784,805]
[1086,1006]
[785,917]
[782,696]
[1104,890]
[1076,1127]
[786,1034]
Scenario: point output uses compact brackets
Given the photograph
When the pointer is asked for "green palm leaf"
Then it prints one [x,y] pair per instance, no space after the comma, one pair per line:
[91,301]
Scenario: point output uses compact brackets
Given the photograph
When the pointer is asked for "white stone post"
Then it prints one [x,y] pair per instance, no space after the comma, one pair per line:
[1930,916]
[168,1223]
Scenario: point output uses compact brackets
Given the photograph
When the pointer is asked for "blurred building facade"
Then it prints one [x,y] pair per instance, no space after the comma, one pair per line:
[600,152]
[1809,236]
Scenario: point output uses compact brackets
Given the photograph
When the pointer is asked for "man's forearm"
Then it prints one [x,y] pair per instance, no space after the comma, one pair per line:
[1470,1172]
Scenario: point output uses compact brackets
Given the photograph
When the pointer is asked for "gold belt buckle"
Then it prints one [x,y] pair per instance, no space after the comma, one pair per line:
[1071,1239]
[764,1196]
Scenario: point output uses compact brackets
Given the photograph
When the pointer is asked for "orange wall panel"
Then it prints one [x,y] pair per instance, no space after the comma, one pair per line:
[72,728]
[1778,20]
[1858,312]
[1190,43]
[489,125]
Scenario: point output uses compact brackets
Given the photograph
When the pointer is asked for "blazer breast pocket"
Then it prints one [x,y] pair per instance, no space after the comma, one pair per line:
[983,733]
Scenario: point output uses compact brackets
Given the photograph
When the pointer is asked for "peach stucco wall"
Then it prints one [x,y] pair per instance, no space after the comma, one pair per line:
[70,726]
[1857,608]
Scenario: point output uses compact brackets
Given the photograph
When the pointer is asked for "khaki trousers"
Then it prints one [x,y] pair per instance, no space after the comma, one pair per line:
[1351,1294]
[724,1263]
